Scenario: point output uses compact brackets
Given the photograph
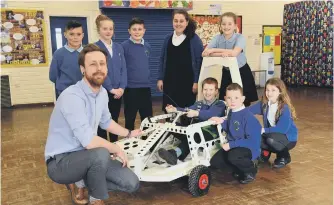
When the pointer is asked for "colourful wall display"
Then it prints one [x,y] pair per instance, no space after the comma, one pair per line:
[23,41]
[147,4]
[307,43]
[208,26]
[271,41]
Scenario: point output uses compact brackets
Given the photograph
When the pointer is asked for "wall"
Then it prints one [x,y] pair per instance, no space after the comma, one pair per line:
[254,15]
[32,85]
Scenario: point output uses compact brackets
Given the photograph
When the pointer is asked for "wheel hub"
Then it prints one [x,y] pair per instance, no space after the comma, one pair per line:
[203,181]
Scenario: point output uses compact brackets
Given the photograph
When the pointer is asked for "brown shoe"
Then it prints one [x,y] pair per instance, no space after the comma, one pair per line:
[77,198]
[97,202]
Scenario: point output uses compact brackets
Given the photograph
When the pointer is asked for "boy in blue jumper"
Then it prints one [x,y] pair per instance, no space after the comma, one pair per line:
[243,137]
[64,68]
[204,110]
[137,95]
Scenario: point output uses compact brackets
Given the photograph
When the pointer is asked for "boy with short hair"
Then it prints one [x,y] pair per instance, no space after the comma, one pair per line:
[137,95]
[243,137]
[204,110]
[64,68]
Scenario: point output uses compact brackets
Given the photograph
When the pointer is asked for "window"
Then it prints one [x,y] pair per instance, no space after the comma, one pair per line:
[59,38]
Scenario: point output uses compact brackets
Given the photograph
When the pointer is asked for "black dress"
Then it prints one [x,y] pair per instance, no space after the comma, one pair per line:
[248,84]
[179,76]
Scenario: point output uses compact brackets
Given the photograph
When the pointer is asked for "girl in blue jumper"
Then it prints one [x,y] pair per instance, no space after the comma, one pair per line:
[116,80]
[180,62]
[280,133]
[231,44]
[243,138]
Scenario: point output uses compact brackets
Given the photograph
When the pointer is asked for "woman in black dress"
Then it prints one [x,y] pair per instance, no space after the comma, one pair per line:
[180,62]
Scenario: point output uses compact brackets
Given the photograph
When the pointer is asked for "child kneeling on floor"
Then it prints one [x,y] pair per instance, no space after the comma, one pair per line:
[243,133]
[204,110]
[280,133]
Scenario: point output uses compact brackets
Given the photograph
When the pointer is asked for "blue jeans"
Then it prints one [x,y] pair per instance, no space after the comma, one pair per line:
[100,173]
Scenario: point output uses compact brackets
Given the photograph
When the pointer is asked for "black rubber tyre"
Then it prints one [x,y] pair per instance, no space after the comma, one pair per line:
[199,180]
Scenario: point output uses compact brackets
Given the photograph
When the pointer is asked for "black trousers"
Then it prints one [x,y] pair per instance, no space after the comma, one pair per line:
[277,143]
[239,159]
[185,121]
[137,99]
[184,146]
[114,108]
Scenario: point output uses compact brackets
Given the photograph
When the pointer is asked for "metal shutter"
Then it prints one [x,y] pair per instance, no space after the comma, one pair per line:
[5,92]
[158,24]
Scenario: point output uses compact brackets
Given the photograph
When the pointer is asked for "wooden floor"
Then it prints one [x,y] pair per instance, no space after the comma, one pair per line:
[307,180]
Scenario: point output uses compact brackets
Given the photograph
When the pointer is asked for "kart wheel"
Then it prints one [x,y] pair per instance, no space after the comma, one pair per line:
[199,180]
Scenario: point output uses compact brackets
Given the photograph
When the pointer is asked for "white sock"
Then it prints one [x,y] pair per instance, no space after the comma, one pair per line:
[91,199]
[178,151]
[80,184]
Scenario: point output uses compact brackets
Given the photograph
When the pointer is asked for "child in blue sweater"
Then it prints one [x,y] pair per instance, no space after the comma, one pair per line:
[279,134]
[137,95]
[64,68]
[230,43]
[204,110]
[243,137]
[116,79]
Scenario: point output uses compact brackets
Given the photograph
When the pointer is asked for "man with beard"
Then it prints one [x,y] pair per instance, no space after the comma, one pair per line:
[73,150]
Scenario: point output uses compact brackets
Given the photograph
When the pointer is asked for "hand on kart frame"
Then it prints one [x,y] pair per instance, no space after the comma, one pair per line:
[218,120]
[170,108]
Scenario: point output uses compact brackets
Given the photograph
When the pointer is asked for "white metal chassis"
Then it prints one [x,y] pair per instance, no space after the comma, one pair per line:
[146,164]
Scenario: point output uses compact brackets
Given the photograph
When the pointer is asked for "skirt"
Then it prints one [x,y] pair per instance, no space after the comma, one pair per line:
[248,83]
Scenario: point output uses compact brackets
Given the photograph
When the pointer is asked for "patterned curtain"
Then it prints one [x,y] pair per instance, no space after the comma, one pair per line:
[307,43]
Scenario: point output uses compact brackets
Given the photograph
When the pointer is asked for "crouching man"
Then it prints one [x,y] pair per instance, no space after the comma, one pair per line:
[74,153]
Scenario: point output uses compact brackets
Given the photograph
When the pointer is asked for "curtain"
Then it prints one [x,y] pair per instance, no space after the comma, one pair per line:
[307,44]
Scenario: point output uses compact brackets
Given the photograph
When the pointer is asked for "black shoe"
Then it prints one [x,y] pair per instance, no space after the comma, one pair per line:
[168,155]
[281,162]
[249,177]
[237,176]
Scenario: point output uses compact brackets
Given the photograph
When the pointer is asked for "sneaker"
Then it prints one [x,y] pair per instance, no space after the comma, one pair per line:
[168,155]
[248,178]
[281,162]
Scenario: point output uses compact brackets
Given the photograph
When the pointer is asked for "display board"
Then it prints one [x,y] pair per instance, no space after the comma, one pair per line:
[271,41]
[23,41]
[208,26]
